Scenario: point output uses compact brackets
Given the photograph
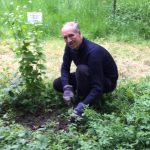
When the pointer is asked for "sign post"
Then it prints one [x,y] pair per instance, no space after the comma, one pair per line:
[34,17]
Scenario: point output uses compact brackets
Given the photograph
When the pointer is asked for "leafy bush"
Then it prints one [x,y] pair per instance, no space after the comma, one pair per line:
[28,49]
[18,98]
[26,88]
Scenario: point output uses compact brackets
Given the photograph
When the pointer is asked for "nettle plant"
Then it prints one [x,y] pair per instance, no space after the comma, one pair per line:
[28,48]
[27,45]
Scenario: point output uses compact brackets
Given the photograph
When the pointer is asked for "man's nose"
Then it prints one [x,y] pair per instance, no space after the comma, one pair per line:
[69,39]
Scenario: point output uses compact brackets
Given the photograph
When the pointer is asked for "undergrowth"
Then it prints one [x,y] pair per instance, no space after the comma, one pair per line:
[120,122]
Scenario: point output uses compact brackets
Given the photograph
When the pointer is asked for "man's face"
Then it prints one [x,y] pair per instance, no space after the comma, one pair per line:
[72,38]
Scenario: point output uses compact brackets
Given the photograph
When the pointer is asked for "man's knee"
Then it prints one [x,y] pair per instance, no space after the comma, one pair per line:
[57,85]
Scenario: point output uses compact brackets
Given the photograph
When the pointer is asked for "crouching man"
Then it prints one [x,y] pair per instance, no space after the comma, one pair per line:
[96,71]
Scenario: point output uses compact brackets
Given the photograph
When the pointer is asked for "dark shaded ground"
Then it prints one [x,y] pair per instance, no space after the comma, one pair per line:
[37,121]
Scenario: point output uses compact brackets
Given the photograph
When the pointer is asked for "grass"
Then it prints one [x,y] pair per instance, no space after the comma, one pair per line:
[96,18]
[132,59]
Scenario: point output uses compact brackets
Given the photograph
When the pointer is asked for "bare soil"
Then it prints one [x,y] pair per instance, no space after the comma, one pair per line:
[39,120]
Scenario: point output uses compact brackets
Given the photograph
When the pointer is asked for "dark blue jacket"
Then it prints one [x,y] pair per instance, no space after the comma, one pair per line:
[100,63]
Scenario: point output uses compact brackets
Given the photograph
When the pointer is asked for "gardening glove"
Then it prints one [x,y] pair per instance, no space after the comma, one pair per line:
[79,109]
[68,94]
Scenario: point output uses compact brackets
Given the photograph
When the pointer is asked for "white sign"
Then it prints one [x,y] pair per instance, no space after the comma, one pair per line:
[34,17]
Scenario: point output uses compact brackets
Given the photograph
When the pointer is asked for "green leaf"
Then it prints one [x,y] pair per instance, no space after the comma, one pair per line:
[41,66]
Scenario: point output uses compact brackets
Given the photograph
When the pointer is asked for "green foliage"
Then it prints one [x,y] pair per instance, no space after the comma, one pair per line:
[123,128]
[131,20]
[15,96]
[14,135]
[26,88]
[130,129]
[28,49]
[95,17]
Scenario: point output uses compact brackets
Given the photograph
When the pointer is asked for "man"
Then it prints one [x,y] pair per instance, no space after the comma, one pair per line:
[96,71]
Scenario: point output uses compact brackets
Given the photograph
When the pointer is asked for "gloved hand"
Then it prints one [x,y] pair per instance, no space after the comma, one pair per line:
[68,94]
[79,109]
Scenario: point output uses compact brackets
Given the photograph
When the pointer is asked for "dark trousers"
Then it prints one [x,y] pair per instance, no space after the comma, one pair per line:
[80,80]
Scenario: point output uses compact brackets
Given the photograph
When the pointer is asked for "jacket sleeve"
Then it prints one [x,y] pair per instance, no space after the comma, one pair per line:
[65,67]
[95,63]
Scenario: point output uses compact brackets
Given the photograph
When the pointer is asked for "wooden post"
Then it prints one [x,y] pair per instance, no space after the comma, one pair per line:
[114,7]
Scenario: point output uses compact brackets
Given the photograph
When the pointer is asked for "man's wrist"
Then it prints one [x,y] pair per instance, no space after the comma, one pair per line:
[68,86]
[79,109]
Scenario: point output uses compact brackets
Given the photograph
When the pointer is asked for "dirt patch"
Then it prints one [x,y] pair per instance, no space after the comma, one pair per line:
[38,121]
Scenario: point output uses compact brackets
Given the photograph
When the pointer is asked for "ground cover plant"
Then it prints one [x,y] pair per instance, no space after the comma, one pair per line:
[122,123]
[34,116]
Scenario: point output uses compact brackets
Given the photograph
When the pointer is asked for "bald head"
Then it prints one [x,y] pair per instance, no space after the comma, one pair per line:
[71,25]
[71,34]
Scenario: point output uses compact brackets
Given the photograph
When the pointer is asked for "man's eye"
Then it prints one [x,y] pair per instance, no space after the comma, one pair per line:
[65,38]
[69,36]
[72,35]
